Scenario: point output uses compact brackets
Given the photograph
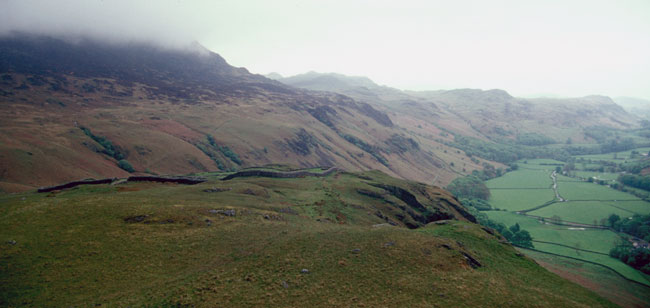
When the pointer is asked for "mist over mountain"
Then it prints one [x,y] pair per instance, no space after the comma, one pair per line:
[637,106]
[326,81]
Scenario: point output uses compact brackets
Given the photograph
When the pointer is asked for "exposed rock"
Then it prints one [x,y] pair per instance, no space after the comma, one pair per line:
[488,230]
[303,143]
[227,212]
[288,210]
[135,219]
[471,261]
[216,189]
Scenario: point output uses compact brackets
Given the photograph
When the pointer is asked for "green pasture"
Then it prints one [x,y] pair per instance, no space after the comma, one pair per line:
[615,157]
[596,240]
[605,281]
[589,212]
[615,264]
[519,199]
[522,179]
[599,240]
[591,191]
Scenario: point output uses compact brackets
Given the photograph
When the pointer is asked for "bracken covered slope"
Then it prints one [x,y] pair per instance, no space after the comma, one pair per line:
[73,110]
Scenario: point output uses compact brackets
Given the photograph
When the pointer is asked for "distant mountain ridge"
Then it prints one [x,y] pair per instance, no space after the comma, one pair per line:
[490,113]
[325,81]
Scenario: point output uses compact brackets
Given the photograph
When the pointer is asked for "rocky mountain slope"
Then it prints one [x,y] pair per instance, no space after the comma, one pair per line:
[86,109]
[73,110]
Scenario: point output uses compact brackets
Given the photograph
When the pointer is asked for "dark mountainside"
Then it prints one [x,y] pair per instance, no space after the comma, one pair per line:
[217,117]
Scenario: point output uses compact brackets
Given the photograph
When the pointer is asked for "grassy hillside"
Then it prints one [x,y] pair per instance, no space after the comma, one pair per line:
[256,241]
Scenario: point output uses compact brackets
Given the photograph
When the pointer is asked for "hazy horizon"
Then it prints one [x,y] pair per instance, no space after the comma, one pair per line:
[556,48]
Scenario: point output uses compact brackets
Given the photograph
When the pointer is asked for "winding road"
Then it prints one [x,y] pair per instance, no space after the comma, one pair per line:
[557,193]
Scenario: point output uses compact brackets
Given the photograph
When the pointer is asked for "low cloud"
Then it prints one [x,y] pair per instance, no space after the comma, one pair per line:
[164,23]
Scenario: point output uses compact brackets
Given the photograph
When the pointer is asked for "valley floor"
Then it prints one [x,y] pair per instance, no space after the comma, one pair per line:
[565,218]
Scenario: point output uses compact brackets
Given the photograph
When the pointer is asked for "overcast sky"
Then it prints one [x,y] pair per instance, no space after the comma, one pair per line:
[565,48]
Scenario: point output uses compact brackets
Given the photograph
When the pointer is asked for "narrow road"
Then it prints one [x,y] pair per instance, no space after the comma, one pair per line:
[557,193]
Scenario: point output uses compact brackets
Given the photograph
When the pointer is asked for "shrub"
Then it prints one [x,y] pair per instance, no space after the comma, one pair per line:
[122,163]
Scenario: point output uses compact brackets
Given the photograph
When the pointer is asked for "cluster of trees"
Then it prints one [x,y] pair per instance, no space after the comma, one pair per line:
[373,150]
[110,150]
[225,150]
[469,187]
[636,257]
[534,139]
[505,151]
[638,181]
[478,204]
[635,167]
[637,225]
[514,234]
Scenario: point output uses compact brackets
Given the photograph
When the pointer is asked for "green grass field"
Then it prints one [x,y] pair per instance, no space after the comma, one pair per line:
[591,191]
[589,239]
[617,157]
[519,199]
[615,264]
[591,212]
[522,179]
[599,279]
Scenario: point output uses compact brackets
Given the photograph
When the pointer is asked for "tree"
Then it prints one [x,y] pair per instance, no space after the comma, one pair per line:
[523,239]
[469,187]
[125,165]
[613,219]
[507,234]
[515,228]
